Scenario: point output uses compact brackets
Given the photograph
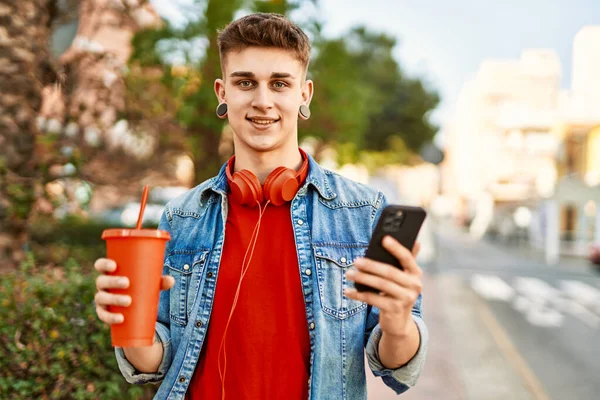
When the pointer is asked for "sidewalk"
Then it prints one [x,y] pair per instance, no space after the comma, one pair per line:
[464,360]
[440,379]
[523,250]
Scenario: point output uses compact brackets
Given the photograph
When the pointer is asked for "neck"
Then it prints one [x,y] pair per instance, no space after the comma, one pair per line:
[261,164]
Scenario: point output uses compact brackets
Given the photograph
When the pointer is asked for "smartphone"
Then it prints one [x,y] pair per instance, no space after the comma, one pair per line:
[403,223]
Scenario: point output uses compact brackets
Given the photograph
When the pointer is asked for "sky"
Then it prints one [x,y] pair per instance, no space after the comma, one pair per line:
[444,42]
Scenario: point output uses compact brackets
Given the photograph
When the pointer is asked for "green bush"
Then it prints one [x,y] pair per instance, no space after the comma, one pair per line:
[71,230]
[54,242]
[52,345]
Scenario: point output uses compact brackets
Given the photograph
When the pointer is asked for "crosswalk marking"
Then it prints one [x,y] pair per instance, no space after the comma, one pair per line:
[541,303]
[492,287]
[585,293]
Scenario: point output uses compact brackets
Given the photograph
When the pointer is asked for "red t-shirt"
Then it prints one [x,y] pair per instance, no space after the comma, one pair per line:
[268,347]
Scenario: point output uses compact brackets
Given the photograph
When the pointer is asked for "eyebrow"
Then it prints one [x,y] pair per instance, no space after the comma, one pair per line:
[248,74]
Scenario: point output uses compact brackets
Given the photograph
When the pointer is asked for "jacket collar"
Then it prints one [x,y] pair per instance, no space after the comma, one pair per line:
[316,177]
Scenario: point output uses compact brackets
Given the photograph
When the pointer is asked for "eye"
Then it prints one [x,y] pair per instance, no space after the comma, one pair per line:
[279,84]
[245,84]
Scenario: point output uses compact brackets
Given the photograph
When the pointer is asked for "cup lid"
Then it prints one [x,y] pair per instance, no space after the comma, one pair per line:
[147,233]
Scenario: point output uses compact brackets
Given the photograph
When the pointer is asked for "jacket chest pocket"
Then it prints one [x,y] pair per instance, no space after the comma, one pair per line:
[187,268]
[332,264]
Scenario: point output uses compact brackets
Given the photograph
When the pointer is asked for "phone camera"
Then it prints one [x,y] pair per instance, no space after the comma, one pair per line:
[393,222]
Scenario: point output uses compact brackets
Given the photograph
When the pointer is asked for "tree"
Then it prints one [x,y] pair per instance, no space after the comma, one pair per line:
[198,112]
[25,68]
[342,98]
[362,96]
[58,115]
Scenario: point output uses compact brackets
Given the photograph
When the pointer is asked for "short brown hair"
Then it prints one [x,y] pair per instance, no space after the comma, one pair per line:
[264,30]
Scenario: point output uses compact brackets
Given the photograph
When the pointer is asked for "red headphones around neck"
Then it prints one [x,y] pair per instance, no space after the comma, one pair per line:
[281,185]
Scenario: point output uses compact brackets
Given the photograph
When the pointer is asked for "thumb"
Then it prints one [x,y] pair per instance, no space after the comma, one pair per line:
[167,282]
[416,249]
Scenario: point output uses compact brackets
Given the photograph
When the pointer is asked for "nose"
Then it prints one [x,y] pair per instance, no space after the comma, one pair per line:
[262,98]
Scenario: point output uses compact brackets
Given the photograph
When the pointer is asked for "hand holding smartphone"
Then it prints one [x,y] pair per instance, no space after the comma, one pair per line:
[403,223]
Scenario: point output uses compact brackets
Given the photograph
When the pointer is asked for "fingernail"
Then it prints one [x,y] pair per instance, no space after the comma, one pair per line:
[349,291]
[119,319]
[123,281]
[351,273]
[112,265]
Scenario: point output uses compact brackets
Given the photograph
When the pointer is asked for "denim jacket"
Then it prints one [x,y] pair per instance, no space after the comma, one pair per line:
[333,218]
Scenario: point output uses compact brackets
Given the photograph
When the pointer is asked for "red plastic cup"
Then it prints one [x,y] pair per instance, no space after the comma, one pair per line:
[139,254]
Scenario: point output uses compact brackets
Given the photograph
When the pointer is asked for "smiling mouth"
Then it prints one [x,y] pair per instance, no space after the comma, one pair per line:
[264,122]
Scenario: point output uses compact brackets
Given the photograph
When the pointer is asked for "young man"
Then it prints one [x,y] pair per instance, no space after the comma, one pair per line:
[262,258]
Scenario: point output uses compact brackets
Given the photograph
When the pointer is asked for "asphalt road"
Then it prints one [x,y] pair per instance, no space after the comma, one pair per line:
[551,314]
[503,324]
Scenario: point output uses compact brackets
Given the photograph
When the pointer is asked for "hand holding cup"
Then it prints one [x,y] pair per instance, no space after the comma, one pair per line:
[105,282]
[128,292]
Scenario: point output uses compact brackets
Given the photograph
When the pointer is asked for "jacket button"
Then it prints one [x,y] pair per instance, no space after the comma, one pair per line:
[182,379]
[198,324]
[300,222]
[209,275]
[186,267]
[312,326]
[343,260]
[308,272]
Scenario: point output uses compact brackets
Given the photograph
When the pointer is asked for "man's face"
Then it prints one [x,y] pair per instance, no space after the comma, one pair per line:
[263,89]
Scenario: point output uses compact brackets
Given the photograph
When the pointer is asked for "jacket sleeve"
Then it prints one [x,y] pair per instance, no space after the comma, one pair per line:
[406,376]
[162,330]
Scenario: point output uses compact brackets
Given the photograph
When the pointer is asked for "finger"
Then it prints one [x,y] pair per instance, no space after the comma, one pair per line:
[388,273]
[386,286]
[104,282]
[381,269]
[105,265]
[374,299]
[167,282]
[109,299]
[405,301]
[374,281]
[407,260]
[108,317]
[416,249]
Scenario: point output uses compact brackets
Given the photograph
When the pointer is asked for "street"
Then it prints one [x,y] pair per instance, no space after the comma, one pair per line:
[504,325]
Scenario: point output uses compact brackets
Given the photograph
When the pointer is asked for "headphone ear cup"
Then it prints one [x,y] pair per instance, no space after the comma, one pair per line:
[245,188]
[269,181]
[254,186]
[281,185]
[239,189]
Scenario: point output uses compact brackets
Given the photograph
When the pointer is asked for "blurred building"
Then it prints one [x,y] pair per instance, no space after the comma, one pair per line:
[516,135]
[586,65]
[578,156]
[99,116]
[579,127]
[500,140]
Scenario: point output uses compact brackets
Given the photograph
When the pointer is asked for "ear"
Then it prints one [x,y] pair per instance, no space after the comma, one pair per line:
[220,90]
[307,92]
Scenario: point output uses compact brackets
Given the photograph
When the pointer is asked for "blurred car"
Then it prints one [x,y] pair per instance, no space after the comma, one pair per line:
[126,215]
[162,194]
[595,254]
